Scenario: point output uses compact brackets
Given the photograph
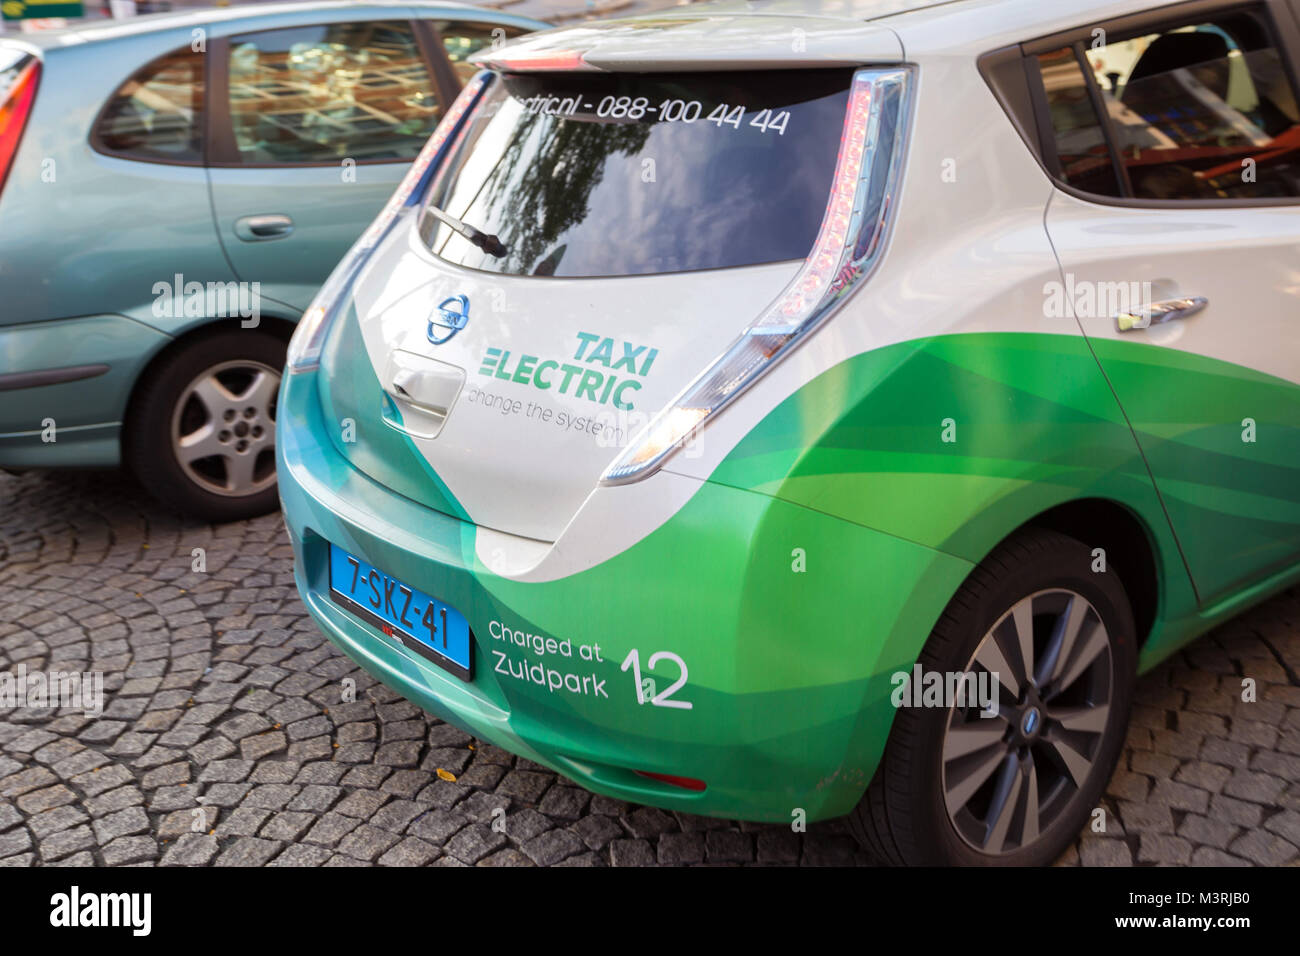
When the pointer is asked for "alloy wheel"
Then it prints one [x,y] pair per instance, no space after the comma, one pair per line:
[1010,767]
[223,428]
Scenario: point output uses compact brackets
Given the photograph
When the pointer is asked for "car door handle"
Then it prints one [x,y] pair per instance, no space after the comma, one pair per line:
[258,228]
[1158,312]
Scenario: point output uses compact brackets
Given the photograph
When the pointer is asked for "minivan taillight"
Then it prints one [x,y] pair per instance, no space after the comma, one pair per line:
[848,246]
[15,107]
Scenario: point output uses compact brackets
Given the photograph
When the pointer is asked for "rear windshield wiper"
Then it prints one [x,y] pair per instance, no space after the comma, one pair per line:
[486,241]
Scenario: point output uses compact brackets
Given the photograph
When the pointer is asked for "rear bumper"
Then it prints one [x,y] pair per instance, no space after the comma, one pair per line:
[788,671]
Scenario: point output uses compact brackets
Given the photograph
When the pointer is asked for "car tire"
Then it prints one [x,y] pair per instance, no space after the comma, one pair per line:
[1061,731]
[216,393]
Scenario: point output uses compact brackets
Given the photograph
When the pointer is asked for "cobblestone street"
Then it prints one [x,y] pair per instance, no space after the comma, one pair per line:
[222,705]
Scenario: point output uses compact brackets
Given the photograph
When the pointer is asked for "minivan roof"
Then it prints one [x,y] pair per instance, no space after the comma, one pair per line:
[291,10]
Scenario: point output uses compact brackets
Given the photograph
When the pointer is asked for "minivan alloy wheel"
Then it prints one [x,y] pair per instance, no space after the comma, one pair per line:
[1007,775]
[223,428]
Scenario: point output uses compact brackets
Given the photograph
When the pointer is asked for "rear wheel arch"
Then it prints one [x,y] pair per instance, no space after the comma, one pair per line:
[279,327]
[226,427]
[1129,548]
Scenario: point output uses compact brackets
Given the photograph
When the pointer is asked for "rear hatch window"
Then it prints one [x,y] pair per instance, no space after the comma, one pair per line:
[587,175]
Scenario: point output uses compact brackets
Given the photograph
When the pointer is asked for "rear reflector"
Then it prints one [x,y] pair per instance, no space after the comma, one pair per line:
[15,107]
[686,783]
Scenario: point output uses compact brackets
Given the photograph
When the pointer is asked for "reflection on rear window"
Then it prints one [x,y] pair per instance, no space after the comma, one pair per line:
[611,175]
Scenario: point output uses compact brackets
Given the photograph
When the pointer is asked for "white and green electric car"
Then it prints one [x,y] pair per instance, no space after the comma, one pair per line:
[797,409]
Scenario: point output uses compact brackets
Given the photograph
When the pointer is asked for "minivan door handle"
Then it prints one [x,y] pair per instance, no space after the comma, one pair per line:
[259,228]
[1158,312]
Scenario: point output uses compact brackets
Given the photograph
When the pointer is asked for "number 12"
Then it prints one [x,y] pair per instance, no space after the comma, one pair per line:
[633,660]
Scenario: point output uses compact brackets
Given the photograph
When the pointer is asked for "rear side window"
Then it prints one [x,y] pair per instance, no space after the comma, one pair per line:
[320,94]
[635,174]
[1081,146]
[158,113]
[1202,110]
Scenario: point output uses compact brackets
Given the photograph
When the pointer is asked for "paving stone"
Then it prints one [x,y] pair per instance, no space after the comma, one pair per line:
[1209,856]
[567,803]
[1205,776]
[1097,851]
[683,848]
[263,745]
[361,803]
[191,849]
[316,797]
[242,821]
[300,854]
[126,822]
[631,853]
[65,842]
[1238,812]
[367,842]
[409,852]
[552,846]
[438,826]
[649,822]
[775,846]
[98,781]
[226,771]
[330,829]
[288,825]
[1207,831]
[1254,786]
[130,849]
[38,801]
[1179,796]
[473,843]
[14,841]
[1263,848]
[525,785]
[249,851]
[1286,825]
[1163,848]
[52,821]
[729,846]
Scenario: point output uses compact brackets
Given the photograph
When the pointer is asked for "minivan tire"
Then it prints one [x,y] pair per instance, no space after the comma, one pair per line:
[904,818]
[169,409]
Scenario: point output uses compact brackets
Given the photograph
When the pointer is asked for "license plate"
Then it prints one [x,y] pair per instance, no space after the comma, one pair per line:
[420,621]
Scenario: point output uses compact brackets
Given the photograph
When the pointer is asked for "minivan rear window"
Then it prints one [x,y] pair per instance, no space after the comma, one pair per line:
[638,174]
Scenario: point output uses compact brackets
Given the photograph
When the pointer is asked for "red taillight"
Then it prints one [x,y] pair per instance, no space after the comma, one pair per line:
[686,783]
[14,110]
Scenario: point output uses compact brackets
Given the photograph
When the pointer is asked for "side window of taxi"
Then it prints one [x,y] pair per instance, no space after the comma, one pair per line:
[1203,110]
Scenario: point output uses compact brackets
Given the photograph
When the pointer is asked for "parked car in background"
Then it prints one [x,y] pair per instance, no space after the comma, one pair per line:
[789,430]
[173,190]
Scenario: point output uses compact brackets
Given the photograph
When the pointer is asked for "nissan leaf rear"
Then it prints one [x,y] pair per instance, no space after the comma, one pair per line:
[617,230]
